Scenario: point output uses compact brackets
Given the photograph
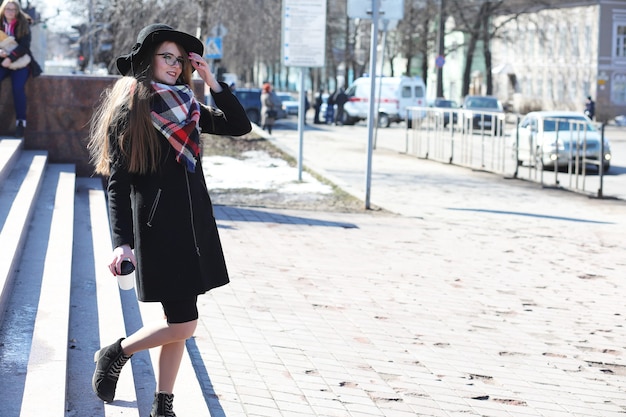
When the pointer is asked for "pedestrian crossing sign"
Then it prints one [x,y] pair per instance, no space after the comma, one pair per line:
[213,48]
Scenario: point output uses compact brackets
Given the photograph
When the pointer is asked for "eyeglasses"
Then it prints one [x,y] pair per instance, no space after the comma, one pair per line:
[172,60]
[10,9]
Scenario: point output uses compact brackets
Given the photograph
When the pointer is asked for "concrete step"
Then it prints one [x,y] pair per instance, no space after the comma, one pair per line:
[9,152]
[36,298]
[61,304]
[18,194]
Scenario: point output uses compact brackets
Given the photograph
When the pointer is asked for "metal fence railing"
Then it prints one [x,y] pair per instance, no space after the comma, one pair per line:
[565,153]
[461,137]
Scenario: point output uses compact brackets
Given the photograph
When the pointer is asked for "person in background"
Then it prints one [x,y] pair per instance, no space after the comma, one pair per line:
[307,105]
[590,108]
[16,23]
[340,98]
[330,109]
[145,138]
[269,110]
[319,100]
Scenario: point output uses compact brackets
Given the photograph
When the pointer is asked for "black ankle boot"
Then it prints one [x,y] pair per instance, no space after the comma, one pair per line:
[19,129]
[109,362]
[162,405]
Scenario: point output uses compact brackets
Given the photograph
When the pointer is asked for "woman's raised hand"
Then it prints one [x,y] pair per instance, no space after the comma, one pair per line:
[200,65]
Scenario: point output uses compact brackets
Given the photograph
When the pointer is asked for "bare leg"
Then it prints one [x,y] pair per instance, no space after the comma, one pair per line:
[170,337]
[170,356]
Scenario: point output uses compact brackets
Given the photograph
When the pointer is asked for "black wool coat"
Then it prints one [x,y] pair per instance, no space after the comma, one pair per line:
[167,217]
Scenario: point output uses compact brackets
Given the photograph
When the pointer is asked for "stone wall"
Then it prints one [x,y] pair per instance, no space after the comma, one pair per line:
[58,114]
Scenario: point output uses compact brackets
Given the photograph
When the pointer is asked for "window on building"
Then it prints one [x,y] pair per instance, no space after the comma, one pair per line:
[620,40]
[572,90]
[618,89]
[575,50]
[522,86]
[549,43]
[563,42]
[560,91]
[539,89]
[550,89]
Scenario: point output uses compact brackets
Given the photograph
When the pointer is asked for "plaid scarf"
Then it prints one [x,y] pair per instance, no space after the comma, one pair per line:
[175,113]
[9,28]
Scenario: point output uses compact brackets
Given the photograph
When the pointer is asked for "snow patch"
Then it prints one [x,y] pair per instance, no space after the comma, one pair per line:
[258,171]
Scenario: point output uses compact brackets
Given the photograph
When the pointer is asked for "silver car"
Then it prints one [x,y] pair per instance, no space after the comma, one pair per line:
[561,138]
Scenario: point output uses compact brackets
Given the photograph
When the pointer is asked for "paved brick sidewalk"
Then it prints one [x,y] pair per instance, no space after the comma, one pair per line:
[456,313]
[485,297]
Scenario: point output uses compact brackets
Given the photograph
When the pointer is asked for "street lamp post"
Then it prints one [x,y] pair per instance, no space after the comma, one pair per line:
[441,48]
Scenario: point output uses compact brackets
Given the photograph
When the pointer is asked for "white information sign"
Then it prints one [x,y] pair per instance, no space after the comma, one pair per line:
[389,9]
[304,33]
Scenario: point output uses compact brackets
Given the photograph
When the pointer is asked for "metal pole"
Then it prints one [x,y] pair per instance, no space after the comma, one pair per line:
[301,114]
[370,119]
[380,82]
[90,37]
[601,160]
[517,120]
[441,48]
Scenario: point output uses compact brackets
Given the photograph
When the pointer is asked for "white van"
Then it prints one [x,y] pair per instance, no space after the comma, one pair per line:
[398,93]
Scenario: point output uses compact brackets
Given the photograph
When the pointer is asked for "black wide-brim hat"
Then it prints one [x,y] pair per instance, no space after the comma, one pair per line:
[153,35]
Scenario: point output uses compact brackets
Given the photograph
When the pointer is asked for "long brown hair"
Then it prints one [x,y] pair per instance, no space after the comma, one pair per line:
[124,116]
[22,27]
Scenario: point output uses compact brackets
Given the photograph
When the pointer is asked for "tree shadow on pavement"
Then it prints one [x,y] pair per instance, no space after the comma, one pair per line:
[542,216]
[262,216]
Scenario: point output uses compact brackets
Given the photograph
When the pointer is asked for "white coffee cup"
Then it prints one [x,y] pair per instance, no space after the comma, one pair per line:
[126,282]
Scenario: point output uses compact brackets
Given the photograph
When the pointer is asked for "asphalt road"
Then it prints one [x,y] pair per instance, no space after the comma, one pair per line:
[395,139]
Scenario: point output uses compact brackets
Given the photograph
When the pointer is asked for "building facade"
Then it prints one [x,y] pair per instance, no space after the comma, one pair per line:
[555,58]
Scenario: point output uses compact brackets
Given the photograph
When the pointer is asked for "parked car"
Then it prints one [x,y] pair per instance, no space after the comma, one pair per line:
[250,99]
[549,138]
[394,95]
[483,110]
[451,107]
[290,104]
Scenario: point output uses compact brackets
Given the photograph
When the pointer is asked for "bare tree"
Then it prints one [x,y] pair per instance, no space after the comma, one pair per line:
[414,38]
[475,19]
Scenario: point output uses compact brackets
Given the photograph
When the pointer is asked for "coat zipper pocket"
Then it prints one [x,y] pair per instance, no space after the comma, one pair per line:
[153,209]
[193,227]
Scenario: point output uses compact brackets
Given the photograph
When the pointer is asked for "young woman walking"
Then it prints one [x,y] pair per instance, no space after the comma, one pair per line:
[145,139]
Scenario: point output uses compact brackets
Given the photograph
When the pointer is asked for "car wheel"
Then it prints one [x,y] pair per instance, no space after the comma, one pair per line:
[253,116]
[347,120]
[383,120]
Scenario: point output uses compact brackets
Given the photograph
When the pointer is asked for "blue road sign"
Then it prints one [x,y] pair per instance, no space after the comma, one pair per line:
[213,48]
[440,61]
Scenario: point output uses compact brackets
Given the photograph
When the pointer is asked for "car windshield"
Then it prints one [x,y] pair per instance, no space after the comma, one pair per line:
[445,103]
[482,103]
[567,123]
